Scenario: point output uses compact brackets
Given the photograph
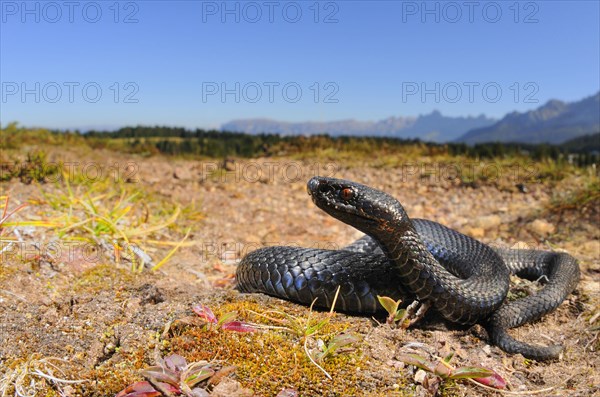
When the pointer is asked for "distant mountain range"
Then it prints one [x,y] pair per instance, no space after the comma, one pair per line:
[554,122]
[433,127]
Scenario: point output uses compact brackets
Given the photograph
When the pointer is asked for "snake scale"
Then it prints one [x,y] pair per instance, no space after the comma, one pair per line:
[464,280]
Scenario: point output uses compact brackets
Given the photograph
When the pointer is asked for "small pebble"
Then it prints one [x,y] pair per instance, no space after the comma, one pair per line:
[487,350]
[420,376]
[541,227]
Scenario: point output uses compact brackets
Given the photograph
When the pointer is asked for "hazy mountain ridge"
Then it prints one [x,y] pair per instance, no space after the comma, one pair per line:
[433,127]
[554,122]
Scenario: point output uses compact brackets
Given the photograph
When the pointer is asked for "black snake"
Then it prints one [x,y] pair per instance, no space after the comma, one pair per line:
[465,280]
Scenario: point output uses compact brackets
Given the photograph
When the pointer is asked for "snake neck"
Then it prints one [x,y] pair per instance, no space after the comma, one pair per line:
[404,248]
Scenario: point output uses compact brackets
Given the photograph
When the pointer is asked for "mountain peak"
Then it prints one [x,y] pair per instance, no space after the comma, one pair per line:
[434,113]
[554,122]
[553,105]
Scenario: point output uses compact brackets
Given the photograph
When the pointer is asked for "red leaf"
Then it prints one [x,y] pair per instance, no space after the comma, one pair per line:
[139,389]
[495,381]
[145,389]
[239,326]
[205,312]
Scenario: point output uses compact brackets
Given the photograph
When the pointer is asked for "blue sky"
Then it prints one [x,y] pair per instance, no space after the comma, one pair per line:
[202,63]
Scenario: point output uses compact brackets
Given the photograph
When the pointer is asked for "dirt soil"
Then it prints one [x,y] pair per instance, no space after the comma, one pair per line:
[108,322]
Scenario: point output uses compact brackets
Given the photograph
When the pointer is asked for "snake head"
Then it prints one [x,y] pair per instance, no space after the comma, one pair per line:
[358,205]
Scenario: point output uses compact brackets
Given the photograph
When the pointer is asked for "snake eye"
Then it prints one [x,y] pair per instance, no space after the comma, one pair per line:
[346,193]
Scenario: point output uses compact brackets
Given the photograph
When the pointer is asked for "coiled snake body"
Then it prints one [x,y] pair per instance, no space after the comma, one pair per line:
[465,280]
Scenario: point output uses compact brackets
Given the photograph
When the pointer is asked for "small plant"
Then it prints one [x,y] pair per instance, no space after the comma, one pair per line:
[304,329]
[34,375]
[338,344]
[308,329]
[6,214]
[403,317]
[172,375]
[226,322]
[35,168]
[587,195]
[5,225]
[395,315]
[442,370]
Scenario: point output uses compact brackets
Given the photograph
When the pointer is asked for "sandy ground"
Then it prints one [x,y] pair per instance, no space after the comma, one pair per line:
[81,309]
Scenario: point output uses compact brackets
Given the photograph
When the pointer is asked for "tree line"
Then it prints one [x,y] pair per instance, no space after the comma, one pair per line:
[581,151]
